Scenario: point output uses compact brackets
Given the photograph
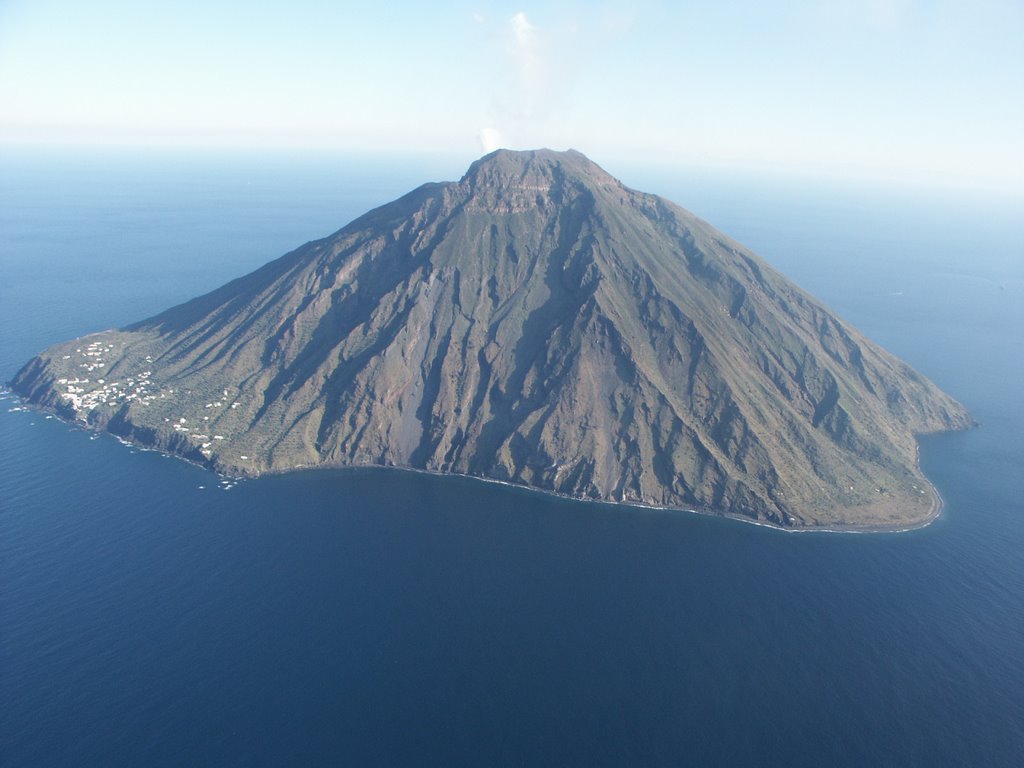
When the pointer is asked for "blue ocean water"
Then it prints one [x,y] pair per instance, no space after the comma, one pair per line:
[149,616]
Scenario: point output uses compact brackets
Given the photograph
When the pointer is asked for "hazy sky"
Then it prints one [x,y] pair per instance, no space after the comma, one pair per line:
[876,87]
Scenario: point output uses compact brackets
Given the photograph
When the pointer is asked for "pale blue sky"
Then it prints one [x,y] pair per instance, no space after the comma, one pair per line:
[897,88]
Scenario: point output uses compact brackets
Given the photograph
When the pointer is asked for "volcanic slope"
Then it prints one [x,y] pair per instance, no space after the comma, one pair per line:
[538,323]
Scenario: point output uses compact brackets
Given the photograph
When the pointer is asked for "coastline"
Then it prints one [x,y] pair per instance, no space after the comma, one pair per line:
[934,512]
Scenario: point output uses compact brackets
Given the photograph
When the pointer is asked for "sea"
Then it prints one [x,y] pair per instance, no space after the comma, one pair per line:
[155,614]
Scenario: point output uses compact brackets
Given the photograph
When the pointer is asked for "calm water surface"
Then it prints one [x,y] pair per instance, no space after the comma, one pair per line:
[149,616]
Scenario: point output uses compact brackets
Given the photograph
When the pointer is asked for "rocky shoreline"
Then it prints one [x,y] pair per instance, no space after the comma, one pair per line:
[136,439]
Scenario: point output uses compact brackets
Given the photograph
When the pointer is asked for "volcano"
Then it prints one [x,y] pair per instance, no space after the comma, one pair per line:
[536,323]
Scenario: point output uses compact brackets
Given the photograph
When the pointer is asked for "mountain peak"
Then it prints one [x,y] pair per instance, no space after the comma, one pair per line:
[518,167]
[513,181]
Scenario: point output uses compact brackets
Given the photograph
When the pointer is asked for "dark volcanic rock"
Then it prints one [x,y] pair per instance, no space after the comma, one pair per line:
[539,323]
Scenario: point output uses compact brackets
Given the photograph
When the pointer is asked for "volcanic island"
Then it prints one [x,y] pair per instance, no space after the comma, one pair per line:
[535,323]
